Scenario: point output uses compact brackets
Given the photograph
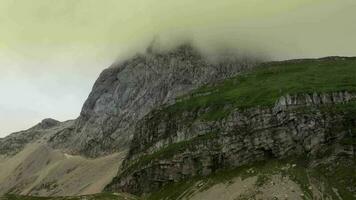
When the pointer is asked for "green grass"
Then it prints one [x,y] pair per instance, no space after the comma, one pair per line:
[265,84]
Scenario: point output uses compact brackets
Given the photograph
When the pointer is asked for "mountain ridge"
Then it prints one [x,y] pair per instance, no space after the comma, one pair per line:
[127,91]
[146,81]
[162,110]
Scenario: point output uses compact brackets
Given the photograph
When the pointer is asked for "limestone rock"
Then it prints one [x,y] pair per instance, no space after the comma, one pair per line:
[127,91]
[173,147]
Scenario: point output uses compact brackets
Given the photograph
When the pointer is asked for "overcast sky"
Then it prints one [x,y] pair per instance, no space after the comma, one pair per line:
[52,51]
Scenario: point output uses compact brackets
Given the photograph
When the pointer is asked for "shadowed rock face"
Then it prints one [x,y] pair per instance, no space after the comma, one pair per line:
[169,147]
[127,91]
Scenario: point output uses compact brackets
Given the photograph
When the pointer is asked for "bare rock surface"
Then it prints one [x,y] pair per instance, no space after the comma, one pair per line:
[171,147]
[127,91]
[15,142]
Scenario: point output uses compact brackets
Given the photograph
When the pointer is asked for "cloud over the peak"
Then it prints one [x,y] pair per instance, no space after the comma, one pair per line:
[54,50]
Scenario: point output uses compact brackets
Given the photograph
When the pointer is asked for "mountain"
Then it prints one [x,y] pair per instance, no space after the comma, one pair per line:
[127,91]
[298,113]
[71,152]
[180,125]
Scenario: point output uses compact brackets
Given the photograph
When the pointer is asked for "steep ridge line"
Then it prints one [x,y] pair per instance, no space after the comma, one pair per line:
[127,91]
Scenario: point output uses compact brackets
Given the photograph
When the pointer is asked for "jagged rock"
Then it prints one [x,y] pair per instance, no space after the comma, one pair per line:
[295,126]
[314,99]
[127,91]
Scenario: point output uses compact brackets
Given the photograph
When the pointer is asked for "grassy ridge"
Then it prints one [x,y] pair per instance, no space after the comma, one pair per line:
[265,84]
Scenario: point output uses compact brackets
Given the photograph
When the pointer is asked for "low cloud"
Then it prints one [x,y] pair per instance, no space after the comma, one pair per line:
[54,49]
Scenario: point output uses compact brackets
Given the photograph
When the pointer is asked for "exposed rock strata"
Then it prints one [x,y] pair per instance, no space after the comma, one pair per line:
[168,148]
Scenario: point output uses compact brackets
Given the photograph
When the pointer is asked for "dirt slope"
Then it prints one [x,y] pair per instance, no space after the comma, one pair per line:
[40,170]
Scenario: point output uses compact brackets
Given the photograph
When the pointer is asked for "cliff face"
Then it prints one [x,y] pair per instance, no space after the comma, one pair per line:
[127,91]
[303,109]
[170,148]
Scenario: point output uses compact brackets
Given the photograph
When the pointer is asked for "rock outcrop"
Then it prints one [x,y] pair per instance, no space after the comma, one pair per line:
[127,91]
[169,148]
[15,142]
[29,166]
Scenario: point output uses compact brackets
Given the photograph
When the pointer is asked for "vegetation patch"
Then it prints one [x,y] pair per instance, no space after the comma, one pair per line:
[265,84]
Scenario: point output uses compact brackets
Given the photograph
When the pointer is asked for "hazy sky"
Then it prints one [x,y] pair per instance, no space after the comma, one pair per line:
[51,51]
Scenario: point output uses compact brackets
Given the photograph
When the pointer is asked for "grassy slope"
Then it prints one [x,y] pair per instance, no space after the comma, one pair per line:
[265,84]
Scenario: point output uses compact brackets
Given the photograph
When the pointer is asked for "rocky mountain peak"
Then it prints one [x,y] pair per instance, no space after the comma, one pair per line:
[128,90]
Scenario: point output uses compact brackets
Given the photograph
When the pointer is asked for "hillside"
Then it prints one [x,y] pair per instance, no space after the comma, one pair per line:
[295,109]
[175,125]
